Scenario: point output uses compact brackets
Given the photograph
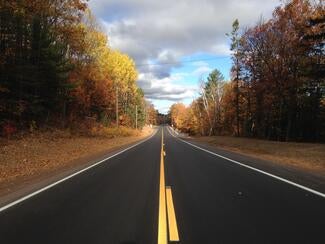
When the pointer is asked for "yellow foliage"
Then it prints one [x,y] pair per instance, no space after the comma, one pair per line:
[178,113]
[121,70]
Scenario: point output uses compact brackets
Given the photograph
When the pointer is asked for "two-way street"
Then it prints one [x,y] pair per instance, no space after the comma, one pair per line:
[209,199]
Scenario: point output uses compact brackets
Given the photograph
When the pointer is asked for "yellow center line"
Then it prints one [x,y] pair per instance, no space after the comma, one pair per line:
[162,217]
[172,223]
[165,206]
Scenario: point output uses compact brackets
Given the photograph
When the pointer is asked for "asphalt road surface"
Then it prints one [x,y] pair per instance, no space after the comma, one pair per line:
[165,189]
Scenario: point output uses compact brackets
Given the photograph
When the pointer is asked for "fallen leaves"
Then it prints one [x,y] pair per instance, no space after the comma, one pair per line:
[41,153]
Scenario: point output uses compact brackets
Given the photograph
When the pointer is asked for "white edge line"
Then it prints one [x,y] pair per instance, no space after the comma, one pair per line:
[70,176]
[255,169]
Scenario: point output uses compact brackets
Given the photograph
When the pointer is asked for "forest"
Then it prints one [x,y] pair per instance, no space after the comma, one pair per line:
[57,69]
[277,87]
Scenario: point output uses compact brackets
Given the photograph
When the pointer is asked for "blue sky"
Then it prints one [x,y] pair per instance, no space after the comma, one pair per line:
[176,33]
[194,68]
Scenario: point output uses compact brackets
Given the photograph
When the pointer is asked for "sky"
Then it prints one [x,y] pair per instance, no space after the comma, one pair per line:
[175,43]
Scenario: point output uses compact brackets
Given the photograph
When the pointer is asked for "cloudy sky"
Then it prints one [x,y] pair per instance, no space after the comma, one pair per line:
[175,42]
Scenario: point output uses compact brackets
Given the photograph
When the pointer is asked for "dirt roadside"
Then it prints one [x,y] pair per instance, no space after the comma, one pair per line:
[309,157]
[29,162]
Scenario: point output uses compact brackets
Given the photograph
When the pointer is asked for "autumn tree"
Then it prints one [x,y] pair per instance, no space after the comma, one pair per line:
[56,66]
[278,81]
[150,113]
[278,57]
[234,47]
[212,93]
[34,64]
[178,115]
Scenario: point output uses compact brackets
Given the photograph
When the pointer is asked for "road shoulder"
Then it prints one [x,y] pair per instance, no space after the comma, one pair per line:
[13,190]
[308,178]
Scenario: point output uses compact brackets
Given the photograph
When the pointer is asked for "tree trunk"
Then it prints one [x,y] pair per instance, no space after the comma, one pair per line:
[116,107]
[237,96]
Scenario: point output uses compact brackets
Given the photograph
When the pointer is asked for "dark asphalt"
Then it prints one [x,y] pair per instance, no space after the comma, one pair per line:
[215,201]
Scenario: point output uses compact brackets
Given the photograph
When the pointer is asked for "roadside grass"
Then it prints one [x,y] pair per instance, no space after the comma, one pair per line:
[308,156]
[112,132]
[40,153]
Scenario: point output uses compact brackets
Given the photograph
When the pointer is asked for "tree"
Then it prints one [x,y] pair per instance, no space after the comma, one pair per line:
[150,113]
[212,93]
[122,71]
[278,80]
[56,65]
[34,64]
[178,113]
[235,41]
[279,91]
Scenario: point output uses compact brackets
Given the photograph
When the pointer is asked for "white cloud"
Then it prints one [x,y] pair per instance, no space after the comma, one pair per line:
[198,72]
[165,31]
[182,26]
[165,88]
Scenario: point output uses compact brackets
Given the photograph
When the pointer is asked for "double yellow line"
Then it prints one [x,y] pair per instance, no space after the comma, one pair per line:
[165,203]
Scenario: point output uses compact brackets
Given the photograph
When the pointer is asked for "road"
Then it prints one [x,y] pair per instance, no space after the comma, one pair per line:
[209,200]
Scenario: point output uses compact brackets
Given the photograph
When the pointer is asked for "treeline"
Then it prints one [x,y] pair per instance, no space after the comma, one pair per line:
[56,67]
[278,81]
